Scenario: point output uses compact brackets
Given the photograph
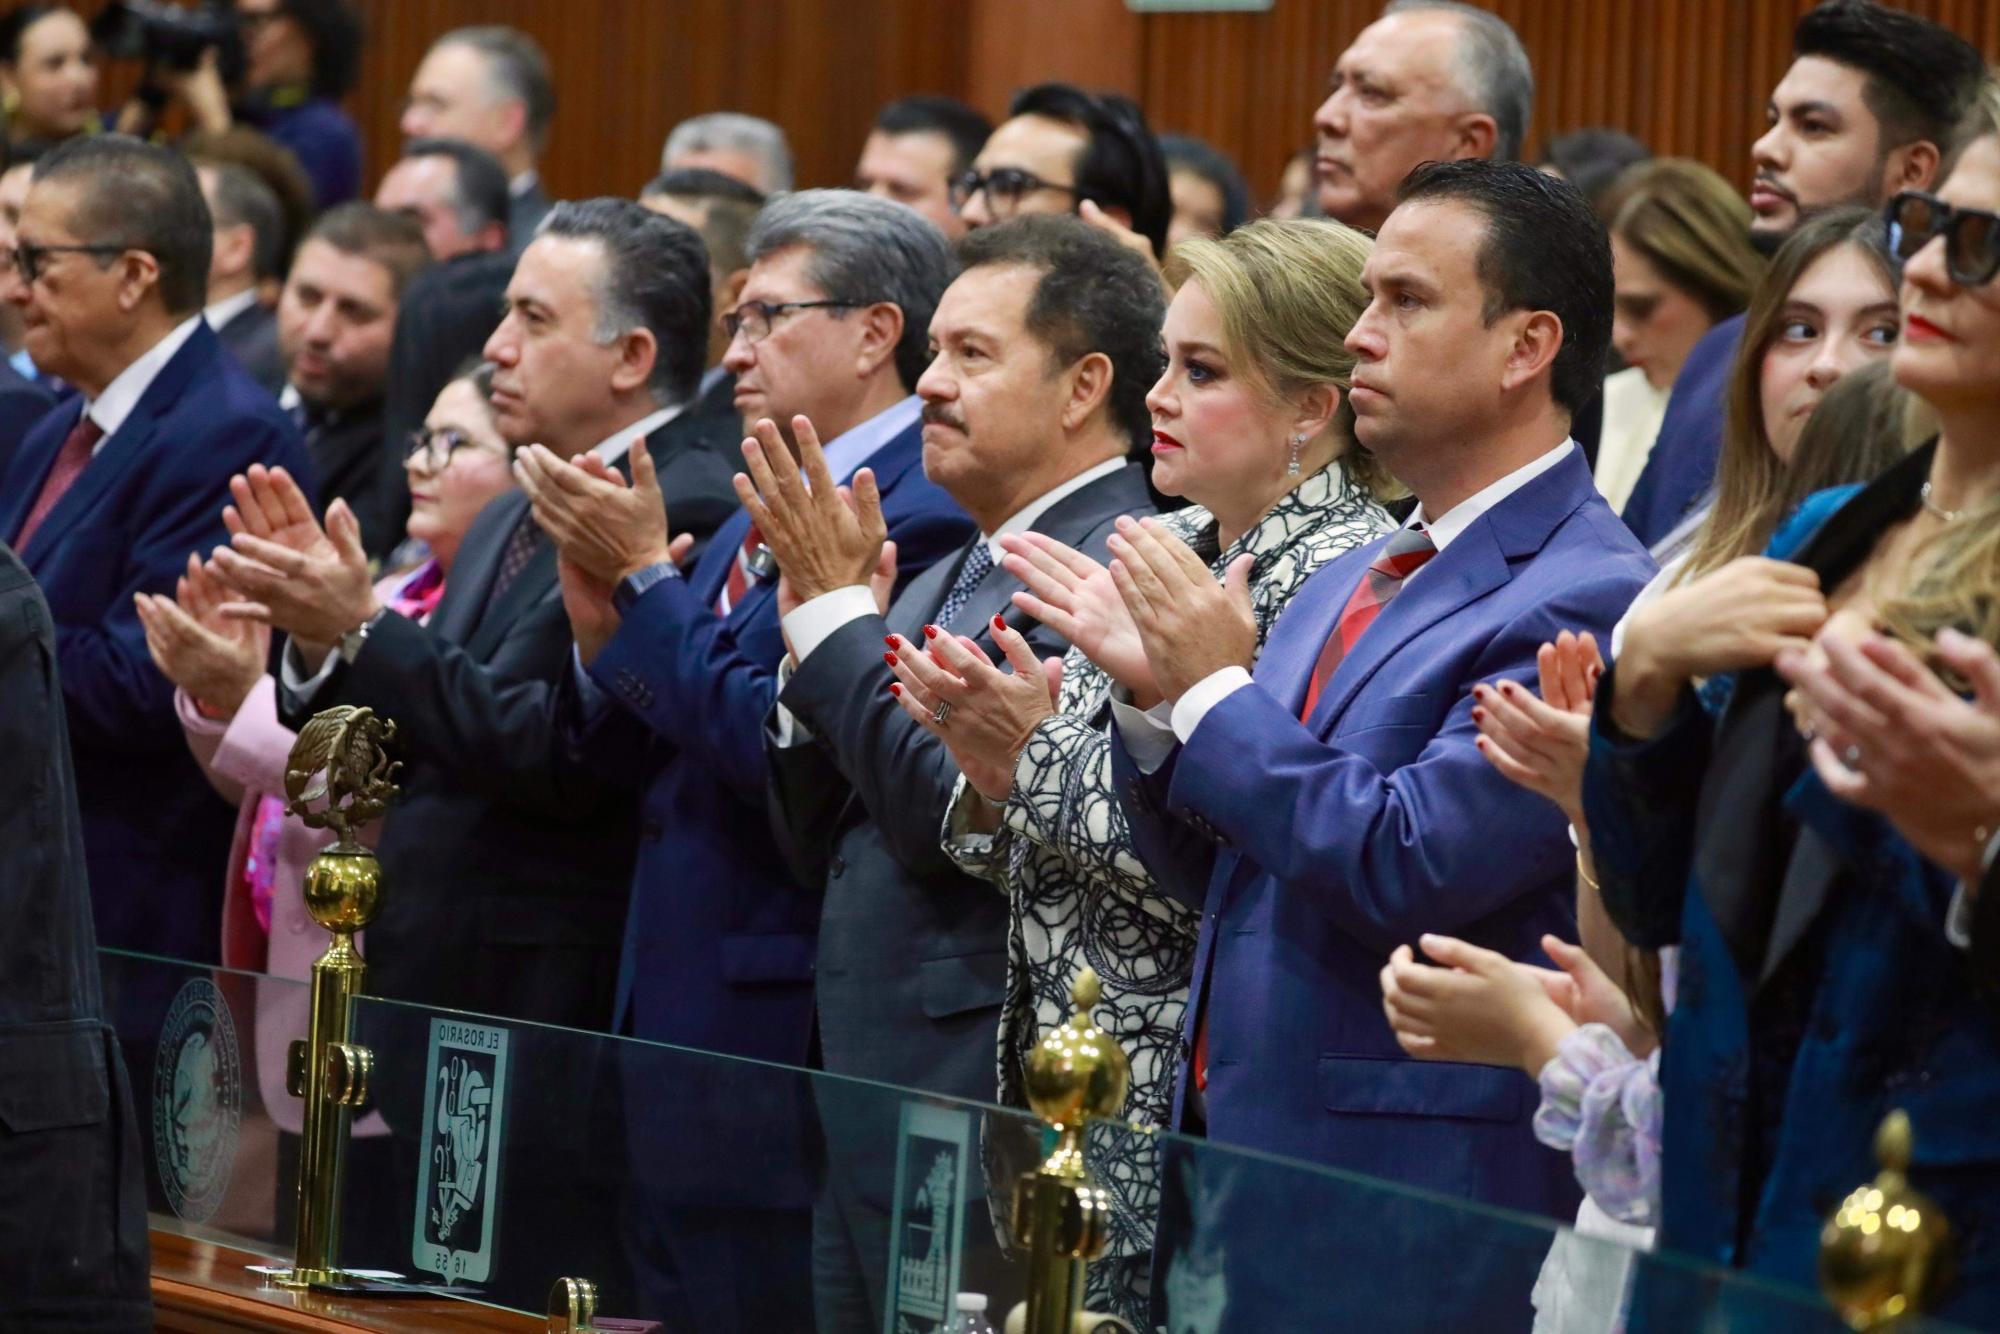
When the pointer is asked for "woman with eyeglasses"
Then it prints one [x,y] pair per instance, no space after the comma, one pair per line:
[227,699]
[1819,988]
[48,77]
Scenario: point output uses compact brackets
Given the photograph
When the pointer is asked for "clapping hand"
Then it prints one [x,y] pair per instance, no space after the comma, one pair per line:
[823,536]
[1541,744]
[983,715]
[308,581]
[1190,625]
[216,659]
[1894,738]
[1077,598]
[605,527]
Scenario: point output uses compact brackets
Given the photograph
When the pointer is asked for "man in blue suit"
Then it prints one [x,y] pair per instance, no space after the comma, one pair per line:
[1866,110]
[110,493]
[680,674]
[1334,805]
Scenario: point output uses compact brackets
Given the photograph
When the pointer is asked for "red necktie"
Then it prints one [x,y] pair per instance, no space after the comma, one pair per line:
[1402,557]
[742,572]
[69,465]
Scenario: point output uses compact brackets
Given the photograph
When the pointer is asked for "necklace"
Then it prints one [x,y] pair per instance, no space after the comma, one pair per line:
[1924,496]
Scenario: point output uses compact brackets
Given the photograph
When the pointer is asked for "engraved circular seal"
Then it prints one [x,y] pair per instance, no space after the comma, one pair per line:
[197,1100]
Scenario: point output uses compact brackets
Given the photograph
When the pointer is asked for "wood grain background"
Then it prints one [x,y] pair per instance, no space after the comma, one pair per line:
[1687,76]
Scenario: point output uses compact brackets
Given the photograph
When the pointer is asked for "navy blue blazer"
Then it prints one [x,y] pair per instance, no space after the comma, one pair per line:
[156,837]
[1335,840]
[22,404]
[1681,468]
[1817,989]
[720,938]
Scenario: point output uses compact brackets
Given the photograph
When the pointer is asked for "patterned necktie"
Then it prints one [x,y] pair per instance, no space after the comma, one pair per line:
[70,461]
[522,545]
[1402,557]
[750,568]
[978,563]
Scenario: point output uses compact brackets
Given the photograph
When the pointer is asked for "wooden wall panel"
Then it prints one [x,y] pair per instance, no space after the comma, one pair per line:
[1687,76]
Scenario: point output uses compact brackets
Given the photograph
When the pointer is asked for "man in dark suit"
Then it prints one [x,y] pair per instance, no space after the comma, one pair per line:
[490,86]
[249,248]
[73,1225]
[1866,110]
[511,864]
[719,946]
[107,497]
[335,318]
[1331,808]
[22,404]
[912,952]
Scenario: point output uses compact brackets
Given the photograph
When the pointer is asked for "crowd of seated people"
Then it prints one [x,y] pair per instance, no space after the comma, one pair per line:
[1496,668]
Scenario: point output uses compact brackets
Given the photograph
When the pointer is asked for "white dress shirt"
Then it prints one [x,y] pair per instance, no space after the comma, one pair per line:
[1151,734]
[219,313]
[111,408]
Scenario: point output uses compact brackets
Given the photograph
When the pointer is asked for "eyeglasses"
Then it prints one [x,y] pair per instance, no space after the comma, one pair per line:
[26,259]
[753,319]
[1971,235]
[432,450]
[1005,188]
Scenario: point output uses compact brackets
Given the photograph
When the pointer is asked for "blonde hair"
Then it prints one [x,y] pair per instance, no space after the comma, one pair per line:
[1288,291]
[1692,226]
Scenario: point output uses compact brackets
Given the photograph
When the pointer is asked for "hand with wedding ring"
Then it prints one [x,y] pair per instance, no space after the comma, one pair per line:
[983,715]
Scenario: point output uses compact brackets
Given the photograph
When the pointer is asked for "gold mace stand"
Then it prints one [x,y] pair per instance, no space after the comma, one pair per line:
[338,777]
[1886,1254]
[1076,1074]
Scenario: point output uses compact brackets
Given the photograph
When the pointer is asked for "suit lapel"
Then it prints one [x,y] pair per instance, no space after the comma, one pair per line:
[478,564]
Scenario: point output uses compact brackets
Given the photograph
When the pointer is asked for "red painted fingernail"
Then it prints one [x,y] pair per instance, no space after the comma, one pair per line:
[930,632]
[896,689]
[1479,715]
[999,622]
[890,640]
[889,658]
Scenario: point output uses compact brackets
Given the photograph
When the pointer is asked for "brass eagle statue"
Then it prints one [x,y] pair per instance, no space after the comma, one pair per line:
[339,775]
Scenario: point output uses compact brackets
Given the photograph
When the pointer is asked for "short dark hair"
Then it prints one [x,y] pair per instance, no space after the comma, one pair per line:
[334,30]
[654,277]
[242,199]
[1094,295]
[1544,249]
[1920,75]
[1213,165]
[519,66]
[932,113]
[1593,157]
[272,163]
[479,192]
[390,239]
[139,196]
[1120,166]
[728,208]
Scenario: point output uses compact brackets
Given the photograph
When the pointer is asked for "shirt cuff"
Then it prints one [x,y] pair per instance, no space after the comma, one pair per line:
[1204,695]
[812,623]
[292,672]
[1958,919]
[786,729]
[592,703]
[1147,734]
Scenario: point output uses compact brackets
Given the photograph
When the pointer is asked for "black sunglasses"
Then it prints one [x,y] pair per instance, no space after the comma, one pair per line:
[26,259]
[1005,187]
[1971,235]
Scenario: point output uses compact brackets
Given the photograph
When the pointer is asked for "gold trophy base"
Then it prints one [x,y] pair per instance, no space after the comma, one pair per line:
[304,1278]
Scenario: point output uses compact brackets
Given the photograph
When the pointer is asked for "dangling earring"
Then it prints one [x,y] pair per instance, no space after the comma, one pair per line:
[1292,467]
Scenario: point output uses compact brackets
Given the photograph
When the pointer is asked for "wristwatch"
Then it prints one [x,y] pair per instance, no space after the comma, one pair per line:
[634,585]
[351,642]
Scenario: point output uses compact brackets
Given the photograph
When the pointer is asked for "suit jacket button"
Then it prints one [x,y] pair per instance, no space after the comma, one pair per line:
[837,866]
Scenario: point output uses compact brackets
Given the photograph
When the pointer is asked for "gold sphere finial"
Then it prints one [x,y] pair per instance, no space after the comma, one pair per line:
[1077,1071]
[1886,1253]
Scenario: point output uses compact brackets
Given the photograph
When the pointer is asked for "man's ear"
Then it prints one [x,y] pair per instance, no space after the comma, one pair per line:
[1538,337]
[138,274]
[1911,167]
[637,353]
[1089,385]
[1474,135]
[881,332]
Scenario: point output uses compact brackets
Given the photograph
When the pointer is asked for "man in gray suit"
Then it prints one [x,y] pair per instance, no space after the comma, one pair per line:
[73,1212]
[1034,405]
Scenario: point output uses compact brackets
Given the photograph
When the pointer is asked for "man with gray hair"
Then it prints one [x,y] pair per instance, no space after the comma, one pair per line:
[1429,81]
[490,86]
[833,325]
[750,148]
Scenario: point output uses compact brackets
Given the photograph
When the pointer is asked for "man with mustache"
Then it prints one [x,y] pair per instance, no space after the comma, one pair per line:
[1429,81]
[1866,110]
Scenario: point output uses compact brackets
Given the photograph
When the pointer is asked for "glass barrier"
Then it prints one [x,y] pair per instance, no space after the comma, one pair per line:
[708,1193]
